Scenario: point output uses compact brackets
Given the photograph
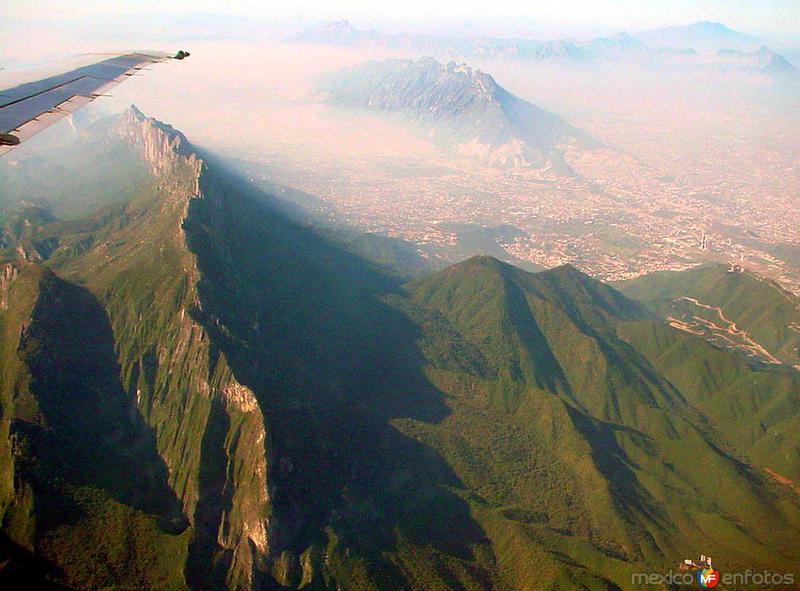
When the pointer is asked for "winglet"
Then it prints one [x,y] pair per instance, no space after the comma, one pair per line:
[6,139]
[181,55]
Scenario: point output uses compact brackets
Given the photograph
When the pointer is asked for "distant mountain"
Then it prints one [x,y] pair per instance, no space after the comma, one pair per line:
[702,36]
[678,46]
[619,46]
[199,393]
[343,33]
[463,109]
[339,33]
[557,49]
[762,60]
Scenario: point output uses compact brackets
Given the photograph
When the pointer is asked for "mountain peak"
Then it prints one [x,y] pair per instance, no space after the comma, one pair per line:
[461,108]
[481,82]
[571,275]
[710,26]
[762,59]
[134,113]
[567,283]
[564,279]
[161,145]
[567,269]
[340,27]
[341,32]
[771,61]
[481,261]
[703,36]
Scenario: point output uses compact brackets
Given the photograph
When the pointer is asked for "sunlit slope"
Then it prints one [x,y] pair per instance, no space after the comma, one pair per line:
[735,311]
[756,410]
[614,452]
[131,258]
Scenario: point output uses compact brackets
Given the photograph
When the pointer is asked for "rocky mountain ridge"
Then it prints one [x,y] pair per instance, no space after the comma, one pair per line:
[464,109]
[170,369]
[698,44]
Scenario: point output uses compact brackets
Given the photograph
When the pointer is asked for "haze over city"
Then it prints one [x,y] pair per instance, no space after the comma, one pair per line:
[708,146]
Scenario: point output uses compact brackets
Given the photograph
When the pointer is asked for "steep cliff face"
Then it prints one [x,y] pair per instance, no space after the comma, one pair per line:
[174,385]
[16,302]
[208,427]
[161,146]
[8,274]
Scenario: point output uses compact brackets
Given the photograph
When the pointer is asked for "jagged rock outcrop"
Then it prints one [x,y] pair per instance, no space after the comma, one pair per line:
[175,383]
[8,274]
[162,147]
[218,450]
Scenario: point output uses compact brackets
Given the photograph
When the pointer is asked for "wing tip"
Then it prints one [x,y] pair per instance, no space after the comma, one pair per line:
[7,139]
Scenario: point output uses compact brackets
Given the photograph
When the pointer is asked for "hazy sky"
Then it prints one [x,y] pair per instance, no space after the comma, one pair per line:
[748,15]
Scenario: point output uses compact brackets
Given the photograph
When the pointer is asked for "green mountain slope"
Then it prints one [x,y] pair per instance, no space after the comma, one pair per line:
[244,403]
[78,462]
[626,432]
[730,306]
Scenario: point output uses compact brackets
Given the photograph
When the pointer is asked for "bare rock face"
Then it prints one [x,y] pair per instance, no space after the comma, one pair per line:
[8,274]
[162,146]
[210,428]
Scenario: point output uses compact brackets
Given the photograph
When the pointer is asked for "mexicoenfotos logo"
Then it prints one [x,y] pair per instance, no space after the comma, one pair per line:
[708,578]
[703,573]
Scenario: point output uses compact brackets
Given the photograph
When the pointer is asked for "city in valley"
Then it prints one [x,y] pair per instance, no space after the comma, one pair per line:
[687,166]
[622,213]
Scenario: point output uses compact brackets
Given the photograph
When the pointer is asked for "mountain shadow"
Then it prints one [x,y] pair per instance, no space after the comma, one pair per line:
[22,569]
[207,563]
[312,330]
[85,431]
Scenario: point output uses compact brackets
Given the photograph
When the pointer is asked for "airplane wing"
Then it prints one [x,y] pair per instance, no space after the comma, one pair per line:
[27,109]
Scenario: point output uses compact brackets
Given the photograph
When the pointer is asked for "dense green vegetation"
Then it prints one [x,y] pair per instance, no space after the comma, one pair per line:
[89,497]
[200,391]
